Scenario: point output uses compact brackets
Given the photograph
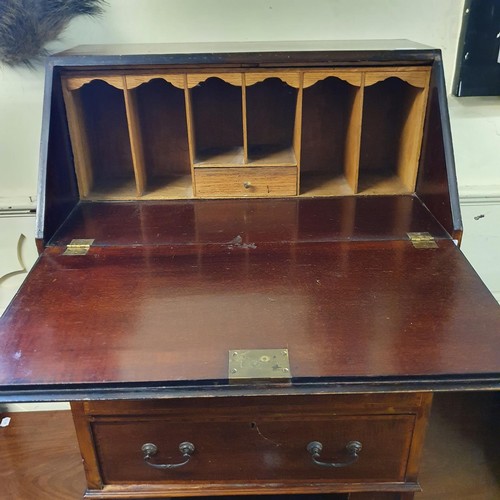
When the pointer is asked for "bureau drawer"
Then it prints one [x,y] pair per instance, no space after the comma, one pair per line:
[253,449]
[246,181]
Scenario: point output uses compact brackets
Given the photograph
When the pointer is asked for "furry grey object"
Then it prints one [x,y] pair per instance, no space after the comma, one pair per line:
[26,26]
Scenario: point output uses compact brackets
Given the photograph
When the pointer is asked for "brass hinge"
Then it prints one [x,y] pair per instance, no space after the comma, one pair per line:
[422,240]
[78,247]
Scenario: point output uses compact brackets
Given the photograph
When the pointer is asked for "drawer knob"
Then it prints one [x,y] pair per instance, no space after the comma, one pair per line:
[150,450]
[247,185]
[353,449]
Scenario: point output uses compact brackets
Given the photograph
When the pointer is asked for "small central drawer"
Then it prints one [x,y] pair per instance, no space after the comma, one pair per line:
[258,448]
[238,182]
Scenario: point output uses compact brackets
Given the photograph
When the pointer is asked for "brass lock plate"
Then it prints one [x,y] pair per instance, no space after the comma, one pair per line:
[249,365]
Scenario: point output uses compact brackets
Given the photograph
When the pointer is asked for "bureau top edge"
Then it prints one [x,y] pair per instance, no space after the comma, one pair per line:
[359,52]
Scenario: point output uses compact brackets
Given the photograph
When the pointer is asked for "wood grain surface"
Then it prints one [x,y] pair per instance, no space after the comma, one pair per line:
[246,182]
[170,314]
[265,221]
[255,441]
[39,457]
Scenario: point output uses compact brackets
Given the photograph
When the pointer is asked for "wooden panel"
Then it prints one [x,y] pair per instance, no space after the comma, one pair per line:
[244,117]
[416,78]
[407,145]
[190,129]
[39,457]
[241,407]
[249,219]
[221,157]
[270,156]
[319,184]
[105,121]
[351,77]
[216,108]
[270,122]
[271,112]
[169,306]
[196,79]
[79,141]
[437,182]
[60,194]
[326,114]
[411,140]
[417,445]
[87,446]
[353,140]
[391,136]
[297,131]
[209,53]
[258,447]
[161,118]
[134,80]
[136,141]
[294,220]
[291,78]
[75,82]
[251,427]
[246,182]
[331,137]
[380,496]
[461,456]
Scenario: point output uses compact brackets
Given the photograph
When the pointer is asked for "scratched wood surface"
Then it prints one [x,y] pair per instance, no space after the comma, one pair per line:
[344,310]
[220,221]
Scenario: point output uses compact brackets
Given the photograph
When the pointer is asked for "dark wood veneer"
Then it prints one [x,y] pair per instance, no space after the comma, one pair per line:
[137,331]
[171,314]
[39,455]
[57,194]
[294,220]
[437,183]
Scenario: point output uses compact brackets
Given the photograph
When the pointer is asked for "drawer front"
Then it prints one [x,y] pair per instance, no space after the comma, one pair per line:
[246,182]
[253,449]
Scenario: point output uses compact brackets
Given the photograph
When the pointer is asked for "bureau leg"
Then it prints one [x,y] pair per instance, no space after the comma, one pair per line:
[381,496]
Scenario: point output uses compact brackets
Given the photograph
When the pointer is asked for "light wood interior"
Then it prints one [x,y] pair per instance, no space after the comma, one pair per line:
[342,131]
[246,182]
[391,133]
[271,110]
[100,139]
[331,120]
[217,121]
[161,135]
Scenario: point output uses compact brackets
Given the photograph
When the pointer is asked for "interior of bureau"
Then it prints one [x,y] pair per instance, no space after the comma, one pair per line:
[319,132]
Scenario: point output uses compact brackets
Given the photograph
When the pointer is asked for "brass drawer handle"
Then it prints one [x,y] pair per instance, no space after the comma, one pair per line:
[247,185]
[150,450]
[353,448]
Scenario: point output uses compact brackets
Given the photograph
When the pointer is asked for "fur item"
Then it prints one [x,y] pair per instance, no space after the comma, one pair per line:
[26,26]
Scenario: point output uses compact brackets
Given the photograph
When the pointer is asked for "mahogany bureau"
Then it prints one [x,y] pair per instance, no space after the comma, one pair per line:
[249,278]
